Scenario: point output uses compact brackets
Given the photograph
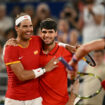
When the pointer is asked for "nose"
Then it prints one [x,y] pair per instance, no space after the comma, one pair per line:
[29,29]
[46,34]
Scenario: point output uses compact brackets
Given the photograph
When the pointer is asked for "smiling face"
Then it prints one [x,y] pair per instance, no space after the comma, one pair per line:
[25,30]
[48,36]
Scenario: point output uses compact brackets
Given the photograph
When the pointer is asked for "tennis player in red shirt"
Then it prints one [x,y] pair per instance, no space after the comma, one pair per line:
[53,85]
[22,63]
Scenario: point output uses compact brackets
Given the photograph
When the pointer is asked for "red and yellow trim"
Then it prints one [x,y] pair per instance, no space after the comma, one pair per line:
[12,62]
[27,45]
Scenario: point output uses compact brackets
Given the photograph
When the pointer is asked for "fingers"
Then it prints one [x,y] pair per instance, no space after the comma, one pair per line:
[11,42]
[54,60]
[77,45]
[52,64]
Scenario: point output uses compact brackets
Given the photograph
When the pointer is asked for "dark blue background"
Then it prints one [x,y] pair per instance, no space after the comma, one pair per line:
[55,7]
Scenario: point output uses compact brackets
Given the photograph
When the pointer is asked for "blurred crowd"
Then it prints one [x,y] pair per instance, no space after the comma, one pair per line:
[80,21]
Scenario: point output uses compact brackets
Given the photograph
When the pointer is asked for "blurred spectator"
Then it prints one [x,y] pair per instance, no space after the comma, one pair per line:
[74,34]
[2,65]
[63,31]
[99,70]
[5,21]
[42,12]
[16,10]
[29,9]
[92,21]
[10,33]
[70,14]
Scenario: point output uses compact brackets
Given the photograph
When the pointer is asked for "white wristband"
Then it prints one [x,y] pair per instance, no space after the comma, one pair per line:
[62,44]
[38,72]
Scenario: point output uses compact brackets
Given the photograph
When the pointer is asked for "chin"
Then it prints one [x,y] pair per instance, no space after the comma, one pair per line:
[26,38]
[49,43]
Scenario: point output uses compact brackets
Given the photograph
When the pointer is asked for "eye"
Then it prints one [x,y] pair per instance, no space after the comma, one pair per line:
[50,31]
[31,25]
[25,26]
[44,32]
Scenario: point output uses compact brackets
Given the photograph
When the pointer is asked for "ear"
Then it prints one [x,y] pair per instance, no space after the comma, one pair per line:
[56,33]
[16,28]
[40,32]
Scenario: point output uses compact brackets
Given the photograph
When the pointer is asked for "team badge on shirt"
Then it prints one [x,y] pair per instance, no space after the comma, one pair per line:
[36,52]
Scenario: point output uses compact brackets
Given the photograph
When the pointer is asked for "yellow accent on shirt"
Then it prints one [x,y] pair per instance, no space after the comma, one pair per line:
[12,62]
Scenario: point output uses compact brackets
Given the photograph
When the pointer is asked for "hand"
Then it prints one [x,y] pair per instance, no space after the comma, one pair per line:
[72,73]
[75,88]
[72,49]
[11,42]
[71,99]
[90,8]
[52,64]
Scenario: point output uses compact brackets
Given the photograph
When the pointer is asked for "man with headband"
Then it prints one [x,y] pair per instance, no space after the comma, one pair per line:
[22,63]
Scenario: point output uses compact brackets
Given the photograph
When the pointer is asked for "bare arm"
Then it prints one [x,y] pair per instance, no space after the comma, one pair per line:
[24,75]
[86,48]
[70,48]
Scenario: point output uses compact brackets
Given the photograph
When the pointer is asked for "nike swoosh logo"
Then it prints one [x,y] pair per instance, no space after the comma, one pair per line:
[20,57]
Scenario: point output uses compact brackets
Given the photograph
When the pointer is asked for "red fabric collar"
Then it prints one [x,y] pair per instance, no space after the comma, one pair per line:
[53,51]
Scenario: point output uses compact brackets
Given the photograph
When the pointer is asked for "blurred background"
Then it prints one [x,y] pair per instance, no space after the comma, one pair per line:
[79,21]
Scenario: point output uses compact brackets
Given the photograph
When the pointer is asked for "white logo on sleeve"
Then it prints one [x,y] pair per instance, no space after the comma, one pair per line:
[20,57]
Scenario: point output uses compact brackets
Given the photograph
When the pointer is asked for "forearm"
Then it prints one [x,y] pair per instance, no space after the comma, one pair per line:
[27,75]
[23,74]
[71,99]
[70,48]
[86,48]
[32,74]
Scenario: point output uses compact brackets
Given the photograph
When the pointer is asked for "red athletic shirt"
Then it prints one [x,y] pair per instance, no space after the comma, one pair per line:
[29,57]
[53,85]
[103,84]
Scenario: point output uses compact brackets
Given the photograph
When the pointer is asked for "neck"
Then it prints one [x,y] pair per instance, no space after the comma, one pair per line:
[23,43]
[48,48]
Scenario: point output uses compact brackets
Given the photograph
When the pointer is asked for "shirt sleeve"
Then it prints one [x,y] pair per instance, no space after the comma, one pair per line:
[11,55]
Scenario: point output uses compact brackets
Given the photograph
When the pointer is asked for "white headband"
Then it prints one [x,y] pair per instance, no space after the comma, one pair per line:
[20,19]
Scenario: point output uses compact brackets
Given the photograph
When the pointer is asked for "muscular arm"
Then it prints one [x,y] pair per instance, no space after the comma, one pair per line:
[86,48]
[24,75]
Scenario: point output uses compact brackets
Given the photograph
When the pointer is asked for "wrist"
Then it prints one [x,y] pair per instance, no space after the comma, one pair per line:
[62,44]
[38,72]
[44,70]
[74,59]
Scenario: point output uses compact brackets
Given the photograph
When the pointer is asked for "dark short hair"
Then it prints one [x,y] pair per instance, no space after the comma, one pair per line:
[48,24]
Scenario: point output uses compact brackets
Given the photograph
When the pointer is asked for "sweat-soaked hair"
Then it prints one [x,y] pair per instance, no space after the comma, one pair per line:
[48,24]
